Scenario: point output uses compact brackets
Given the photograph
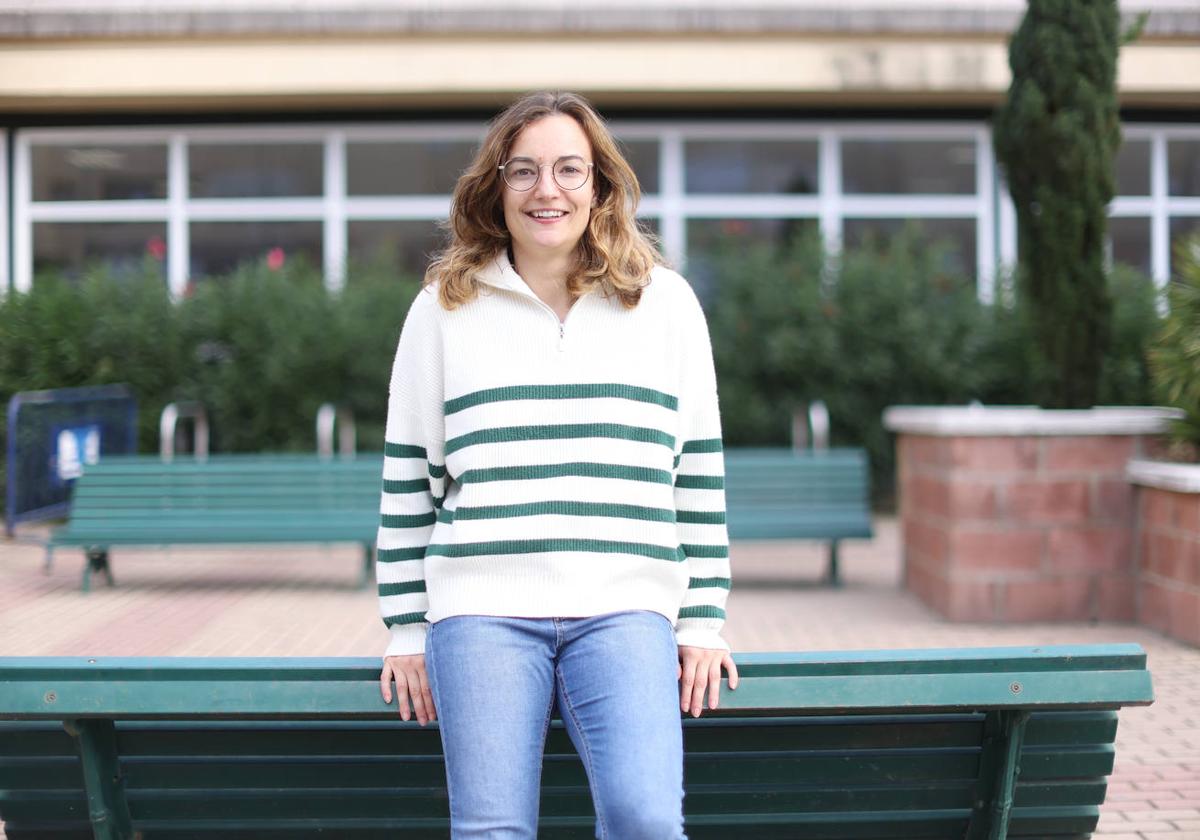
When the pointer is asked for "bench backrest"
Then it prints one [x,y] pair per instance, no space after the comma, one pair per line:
[787,494]
[874,744]
[142,494]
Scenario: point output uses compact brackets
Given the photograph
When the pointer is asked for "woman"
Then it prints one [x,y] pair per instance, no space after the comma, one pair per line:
[553,506]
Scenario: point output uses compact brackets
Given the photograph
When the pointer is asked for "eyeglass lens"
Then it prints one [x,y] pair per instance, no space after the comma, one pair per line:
[570,173]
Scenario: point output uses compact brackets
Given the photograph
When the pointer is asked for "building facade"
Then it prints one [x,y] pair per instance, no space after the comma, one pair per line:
[191,136]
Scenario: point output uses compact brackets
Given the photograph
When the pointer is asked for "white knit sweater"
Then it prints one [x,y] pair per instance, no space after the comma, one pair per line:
[537,468]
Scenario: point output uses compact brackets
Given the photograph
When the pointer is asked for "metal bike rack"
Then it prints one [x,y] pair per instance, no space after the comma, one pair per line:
[812,430]
[328,416]
[818,422]
[168,429]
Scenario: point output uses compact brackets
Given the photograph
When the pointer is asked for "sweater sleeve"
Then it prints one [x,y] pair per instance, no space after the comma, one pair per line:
[700,489]
[414,477]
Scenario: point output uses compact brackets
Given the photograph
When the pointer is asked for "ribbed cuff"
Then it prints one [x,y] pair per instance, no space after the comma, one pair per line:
[701,637]
[407,639]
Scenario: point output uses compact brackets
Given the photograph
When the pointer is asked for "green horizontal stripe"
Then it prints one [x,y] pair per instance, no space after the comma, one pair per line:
[581,469]
[706,583]
[582,391]
[416,485]
[706,445]
[417,520]
[403,450]
[693,550]
[564,508]
[702,612]
[398,555]
[701,517]
[406,588]
[406,618]
[700,482]
[658,552]
[509,434]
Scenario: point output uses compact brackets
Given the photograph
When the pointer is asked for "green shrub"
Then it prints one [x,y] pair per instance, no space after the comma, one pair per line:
[1175,354]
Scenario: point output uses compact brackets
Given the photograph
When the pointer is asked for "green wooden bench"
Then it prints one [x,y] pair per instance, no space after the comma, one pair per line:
[971,743]
[784,494]
[136,500]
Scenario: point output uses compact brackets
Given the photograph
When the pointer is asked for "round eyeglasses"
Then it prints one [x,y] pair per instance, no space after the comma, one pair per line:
[570,172]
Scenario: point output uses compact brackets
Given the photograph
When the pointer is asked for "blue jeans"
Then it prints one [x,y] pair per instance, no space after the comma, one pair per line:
[494,682]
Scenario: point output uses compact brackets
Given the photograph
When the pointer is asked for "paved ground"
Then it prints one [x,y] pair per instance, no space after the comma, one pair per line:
[305,602]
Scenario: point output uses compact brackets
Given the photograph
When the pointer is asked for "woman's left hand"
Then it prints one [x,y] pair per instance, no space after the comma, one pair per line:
[700,669]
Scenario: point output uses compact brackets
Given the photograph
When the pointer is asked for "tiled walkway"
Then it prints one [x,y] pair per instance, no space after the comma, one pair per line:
[305,602]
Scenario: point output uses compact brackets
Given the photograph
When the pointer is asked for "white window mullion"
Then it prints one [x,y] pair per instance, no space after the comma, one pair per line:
[985,225]
[1160,227]
[829,169]
[4,241]
[671,222]
[335,211]
[22,226]
[178,235]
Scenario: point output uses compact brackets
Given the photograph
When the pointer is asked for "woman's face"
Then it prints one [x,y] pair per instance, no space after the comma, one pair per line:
[547,220]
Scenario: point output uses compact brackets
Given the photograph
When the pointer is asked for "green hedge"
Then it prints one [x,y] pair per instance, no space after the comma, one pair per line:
[884,325]
[261,349]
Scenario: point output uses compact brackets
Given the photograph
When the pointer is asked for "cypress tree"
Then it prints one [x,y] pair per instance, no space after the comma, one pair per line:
[1056,137]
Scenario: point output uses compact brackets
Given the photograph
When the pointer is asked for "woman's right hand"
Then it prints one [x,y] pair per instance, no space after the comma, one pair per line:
[411,682]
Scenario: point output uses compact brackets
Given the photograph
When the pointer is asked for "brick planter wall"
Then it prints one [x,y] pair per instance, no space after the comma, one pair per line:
[1168,548]
[1020,514]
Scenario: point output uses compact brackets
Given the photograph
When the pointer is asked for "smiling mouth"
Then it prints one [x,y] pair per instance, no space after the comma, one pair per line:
[546,215]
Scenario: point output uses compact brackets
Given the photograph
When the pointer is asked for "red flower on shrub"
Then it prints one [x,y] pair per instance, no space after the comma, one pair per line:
[275,259]
[156,248]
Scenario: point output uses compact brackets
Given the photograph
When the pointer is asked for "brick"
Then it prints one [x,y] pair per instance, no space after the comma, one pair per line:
[1187,513]
[1115,597]
[971,600]
[1049,599]
[921,451]
[1152,609]
[1157,507]
[1184,622]
[1090,548]
[968,498]
[926,496]
[995,548]
[1048,501]
[994,454]
[925,541]
[1113,499]
[929,587]
[1095,453]
[1168,556]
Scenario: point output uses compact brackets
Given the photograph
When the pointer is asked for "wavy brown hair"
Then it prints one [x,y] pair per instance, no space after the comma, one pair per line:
[613,252]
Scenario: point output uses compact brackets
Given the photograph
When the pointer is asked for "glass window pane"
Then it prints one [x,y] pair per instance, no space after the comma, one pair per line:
[220,247]
[957,234]
[405,246]
[1133,168]
[1129,242]
[751,166]
[1183,167]
[929,167]
[121,248]
[643,157]
[708,239]
[427,167]
[1182,227]
[94,172]
[260,170]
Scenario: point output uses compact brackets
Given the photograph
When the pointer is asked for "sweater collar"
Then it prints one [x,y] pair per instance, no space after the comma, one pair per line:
[500,273]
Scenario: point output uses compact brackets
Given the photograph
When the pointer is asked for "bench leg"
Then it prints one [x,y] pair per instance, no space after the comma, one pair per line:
[368,569]
[97,561]
[834,578]
[999,766]
[108,808]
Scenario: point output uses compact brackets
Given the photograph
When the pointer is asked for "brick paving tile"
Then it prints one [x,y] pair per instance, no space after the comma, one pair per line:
[305,601]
